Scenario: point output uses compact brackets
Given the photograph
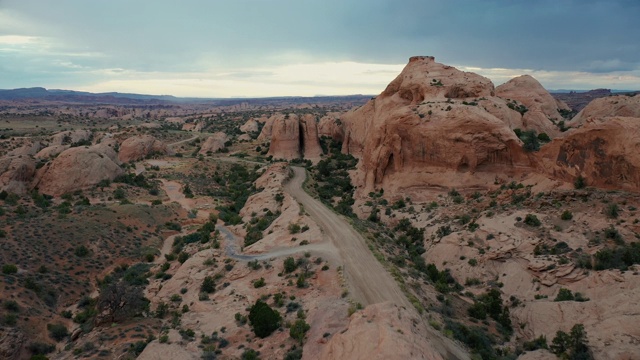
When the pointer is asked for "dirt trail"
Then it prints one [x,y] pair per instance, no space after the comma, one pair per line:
[369,283]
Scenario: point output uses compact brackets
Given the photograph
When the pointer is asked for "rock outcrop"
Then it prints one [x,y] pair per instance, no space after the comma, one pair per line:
[311,149]
[29,149]
[251,126]
[381,331]
[51,151]
[265,133]
[540,106]
[71,137]
[599,109]
[138,147]
[605,153]
[285,138]
[77,168]
[330,125]
[11,342]
[16,173]
[426,123]
[213,143]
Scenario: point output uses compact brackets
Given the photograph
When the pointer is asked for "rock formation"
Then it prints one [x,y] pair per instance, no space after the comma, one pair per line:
[311,149]
[428,122]
[598,109]
[606,154]
[138,147]
[251,126]
[29,149]
[541,107]
[381,331]
[51,151]
[70,137]
[213,143]
[285,138]
[265,133]
[331,126]
[77,168]
[16,173]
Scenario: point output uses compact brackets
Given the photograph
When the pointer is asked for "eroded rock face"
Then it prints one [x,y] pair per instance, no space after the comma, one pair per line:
[606,154]
[16,173]
[138,147]
[311,143]
[213,143]
[599,109]
[29,149]
[424,124]
[77,168]
[381,331]
[265,133]
[285,138]
[541,106]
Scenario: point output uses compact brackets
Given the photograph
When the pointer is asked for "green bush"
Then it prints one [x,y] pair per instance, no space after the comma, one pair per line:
[532,220]
[612,211]
[580,182]
[564,295]
[566,215]
[208,285]
[290,265]
[298,330]
[264,320]
[9,269]
[57,331]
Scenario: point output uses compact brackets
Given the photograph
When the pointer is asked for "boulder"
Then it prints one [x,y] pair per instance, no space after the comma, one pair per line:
[77,168]
[70,137]
[51,151]
[213,143]
[251,126]
[139,147]
[16,173]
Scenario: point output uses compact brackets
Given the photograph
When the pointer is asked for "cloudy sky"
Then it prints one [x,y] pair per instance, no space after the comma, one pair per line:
[251,48]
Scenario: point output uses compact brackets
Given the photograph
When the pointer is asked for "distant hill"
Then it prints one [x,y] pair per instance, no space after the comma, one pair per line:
[82,97]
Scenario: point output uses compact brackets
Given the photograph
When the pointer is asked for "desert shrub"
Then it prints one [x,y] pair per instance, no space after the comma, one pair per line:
[264,320]
[566,215]
[564,295]
[290,265]
[532,220]
[298,330]
[57,331]
[9,269]
[612,211]
[535,344]
[208,285]
[580,182]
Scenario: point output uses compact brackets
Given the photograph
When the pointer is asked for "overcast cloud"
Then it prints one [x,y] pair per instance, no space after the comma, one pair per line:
[302,47]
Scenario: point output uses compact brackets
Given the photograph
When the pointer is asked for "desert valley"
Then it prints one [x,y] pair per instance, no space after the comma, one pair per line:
[445,218]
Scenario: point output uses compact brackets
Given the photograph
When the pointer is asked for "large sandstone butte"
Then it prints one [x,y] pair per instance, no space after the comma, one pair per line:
[78,168]
[138,147]
[428,128]
[599,109]
[293,136]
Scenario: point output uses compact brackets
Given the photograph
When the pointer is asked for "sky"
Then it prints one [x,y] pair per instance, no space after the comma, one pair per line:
[261,48]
